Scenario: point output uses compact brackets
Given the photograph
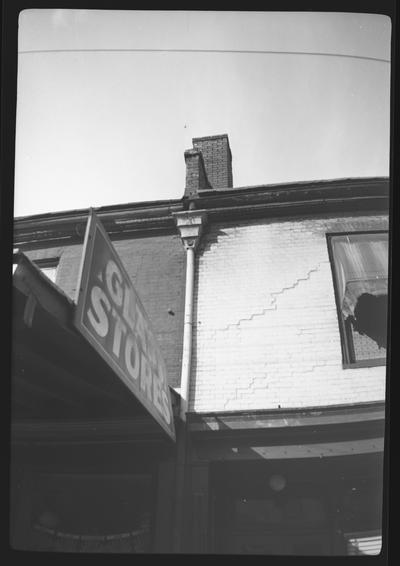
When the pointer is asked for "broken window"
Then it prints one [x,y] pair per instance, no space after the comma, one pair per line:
[361,276]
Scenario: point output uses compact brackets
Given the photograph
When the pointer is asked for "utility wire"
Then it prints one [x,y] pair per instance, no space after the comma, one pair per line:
[204,51]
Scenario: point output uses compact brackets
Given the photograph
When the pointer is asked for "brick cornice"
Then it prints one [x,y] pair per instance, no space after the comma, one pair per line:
[315,197]
[290,199]
[120,221]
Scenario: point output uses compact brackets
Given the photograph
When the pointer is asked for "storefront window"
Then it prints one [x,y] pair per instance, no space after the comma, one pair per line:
[91,514]
[360,508]
[325,507]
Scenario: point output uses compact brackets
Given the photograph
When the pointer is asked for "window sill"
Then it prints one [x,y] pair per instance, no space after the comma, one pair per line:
[365,363]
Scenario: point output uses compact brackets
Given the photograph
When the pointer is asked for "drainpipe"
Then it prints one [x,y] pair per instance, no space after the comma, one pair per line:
[190,224]
[187,331]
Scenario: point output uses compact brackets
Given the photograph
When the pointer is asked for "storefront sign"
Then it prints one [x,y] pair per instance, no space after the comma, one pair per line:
[111,317]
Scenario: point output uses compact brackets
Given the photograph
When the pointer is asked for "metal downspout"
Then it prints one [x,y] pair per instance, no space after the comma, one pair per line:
[187,332]
[189,224]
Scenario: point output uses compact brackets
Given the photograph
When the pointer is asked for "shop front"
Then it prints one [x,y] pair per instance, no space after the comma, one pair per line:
[296,507]
[301,483]
[92,466]
[85,499]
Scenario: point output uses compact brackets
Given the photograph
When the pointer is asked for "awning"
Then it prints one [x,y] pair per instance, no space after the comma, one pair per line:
[56,374]
[276,434]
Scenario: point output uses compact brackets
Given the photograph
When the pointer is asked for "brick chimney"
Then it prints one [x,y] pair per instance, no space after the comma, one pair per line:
[208,164]
[217,159]
[196,177]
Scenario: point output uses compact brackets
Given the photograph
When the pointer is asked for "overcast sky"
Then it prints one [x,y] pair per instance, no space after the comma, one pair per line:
[104,115]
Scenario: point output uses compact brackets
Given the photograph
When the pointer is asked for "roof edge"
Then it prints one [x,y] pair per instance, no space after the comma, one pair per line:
[359,194]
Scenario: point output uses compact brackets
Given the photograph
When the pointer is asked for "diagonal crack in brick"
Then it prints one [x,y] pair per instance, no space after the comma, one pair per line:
[240,389]
[274,296]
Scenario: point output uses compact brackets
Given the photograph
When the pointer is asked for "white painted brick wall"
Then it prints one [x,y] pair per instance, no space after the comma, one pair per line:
[266,332]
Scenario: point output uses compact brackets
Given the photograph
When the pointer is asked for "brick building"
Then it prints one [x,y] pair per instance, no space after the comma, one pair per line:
[272,322]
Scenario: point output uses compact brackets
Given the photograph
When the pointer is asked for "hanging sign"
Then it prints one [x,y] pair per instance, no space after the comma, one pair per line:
[111,317]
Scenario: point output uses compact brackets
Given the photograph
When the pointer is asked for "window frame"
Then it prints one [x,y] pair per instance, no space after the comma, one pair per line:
[347,346]
[50,262]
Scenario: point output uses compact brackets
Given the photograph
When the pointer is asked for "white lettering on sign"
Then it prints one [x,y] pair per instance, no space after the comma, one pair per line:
[132,357]
[99,319]
[114,313]
[110,316]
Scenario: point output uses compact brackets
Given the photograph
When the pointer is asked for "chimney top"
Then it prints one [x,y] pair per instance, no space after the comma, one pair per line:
[217,158]
[215,137]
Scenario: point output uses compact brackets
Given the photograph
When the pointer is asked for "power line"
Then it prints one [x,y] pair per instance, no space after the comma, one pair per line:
[245,51]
